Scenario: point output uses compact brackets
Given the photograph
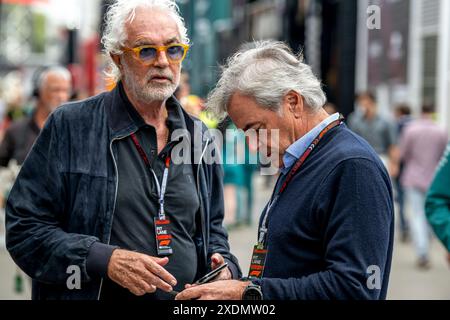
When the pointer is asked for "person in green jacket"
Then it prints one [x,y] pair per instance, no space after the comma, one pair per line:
[437,204]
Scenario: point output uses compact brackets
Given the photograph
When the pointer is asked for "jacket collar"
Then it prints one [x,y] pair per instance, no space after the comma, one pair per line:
[119,120]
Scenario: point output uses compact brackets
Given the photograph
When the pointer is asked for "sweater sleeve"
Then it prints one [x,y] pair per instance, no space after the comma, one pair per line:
[355,206]
[437,205]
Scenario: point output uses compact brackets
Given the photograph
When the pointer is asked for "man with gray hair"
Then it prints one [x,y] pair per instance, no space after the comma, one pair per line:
[52,87]
[327,232]
[100,209]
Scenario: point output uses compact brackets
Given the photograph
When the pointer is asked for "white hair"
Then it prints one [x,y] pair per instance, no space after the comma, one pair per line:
[123,11]
[60,71]
[266,71]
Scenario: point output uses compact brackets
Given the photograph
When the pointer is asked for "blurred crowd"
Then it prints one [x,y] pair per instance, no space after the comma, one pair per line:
[411,148]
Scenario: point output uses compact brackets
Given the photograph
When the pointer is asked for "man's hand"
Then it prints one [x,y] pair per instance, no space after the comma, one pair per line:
[393,170]
[219,290]
[394,161]
[216,261]
[140,273]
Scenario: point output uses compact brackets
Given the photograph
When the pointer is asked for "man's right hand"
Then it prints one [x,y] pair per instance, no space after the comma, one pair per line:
[140,273]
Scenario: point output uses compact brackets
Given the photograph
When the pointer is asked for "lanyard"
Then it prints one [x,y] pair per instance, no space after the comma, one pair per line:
[264,227]
[160,187]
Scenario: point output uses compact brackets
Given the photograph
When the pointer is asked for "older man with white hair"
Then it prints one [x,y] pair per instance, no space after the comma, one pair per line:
[327,232]
[100,210]
[51,88]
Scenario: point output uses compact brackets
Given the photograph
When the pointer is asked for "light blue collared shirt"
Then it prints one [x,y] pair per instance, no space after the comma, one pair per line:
[296,150]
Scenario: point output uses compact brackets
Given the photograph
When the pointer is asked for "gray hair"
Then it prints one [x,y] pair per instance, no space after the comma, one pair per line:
[57,70]
[123,11]
[266,71]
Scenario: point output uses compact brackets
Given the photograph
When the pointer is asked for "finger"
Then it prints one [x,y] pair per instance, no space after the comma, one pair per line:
[159,271]
[189,294]
[161,261]
[159,283]
[153,280]
[140,287]
[148,288]
[217,260]
[137,291]
[223,275]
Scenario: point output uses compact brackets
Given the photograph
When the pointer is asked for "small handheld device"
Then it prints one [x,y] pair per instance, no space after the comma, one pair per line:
[210,276]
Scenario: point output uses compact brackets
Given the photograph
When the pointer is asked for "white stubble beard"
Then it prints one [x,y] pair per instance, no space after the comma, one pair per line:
[146,91]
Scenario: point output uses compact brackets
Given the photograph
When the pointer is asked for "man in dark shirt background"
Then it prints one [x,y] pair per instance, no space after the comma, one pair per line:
[52,89]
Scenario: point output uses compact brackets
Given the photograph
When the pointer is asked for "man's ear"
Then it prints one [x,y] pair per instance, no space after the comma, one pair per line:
[294,102]
[117,60]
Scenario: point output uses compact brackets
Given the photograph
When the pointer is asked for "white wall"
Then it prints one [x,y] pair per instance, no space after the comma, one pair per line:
[415,56]
[444,65]
[362,42]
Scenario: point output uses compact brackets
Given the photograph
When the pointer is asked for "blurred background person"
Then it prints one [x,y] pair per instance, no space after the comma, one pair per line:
[375,129]
[403,117]
[13,100]
[184,89]
[437,204]
[422,145]
[52,88]
[239,166]
[193,104]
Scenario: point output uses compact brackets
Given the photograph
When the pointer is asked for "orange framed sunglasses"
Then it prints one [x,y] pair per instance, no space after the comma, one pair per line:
[147,54]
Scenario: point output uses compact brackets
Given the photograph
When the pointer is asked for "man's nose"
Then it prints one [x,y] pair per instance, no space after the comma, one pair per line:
[161,59]
[63,96]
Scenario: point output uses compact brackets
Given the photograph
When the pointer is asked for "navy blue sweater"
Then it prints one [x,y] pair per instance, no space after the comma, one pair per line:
[332,228]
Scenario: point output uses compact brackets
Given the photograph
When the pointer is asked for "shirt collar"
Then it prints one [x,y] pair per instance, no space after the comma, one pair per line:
[295,151]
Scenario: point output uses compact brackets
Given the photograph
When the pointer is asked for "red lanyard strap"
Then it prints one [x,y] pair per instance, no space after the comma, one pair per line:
[306,154]
[140,150]
[161,188]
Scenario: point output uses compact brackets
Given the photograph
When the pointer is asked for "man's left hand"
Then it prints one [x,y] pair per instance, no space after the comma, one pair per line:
[219,290]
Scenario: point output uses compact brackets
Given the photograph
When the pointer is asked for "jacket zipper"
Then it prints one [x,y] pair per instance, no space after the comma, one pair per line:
[202,215]
[115,198]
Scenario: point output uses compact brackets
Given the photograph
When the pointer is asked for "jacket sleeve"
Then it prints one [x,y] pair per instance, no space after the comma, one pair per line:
[355,208]
[35,210]
[218,241]
[437,205]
